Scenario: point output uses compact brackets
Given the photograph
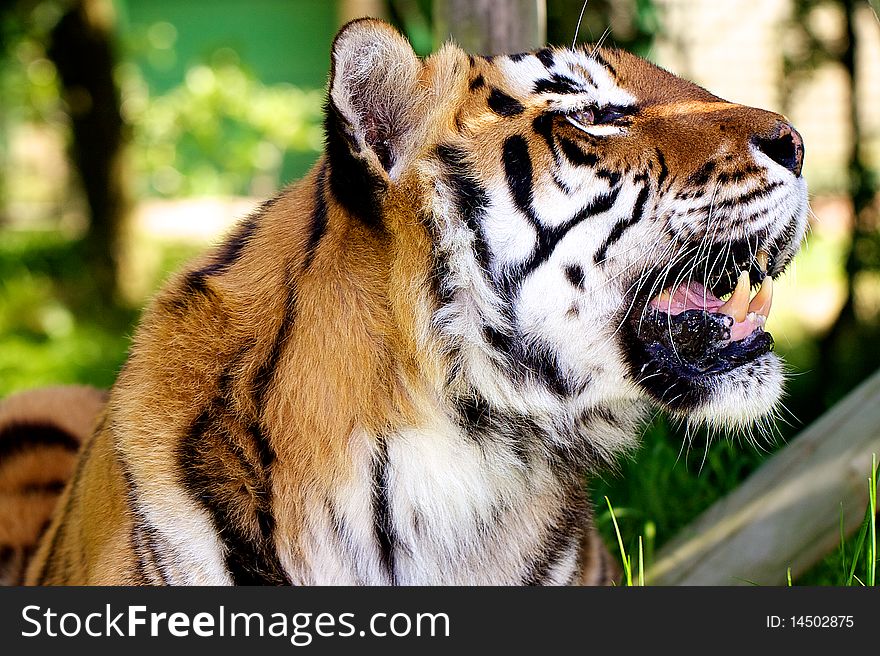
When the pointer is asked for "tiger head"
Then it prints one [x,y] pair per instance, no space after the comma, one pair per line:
[587,212]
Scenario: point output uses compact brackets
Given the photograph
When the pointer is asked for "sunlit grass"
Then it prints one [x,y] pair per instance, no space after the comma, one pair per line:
[866,539]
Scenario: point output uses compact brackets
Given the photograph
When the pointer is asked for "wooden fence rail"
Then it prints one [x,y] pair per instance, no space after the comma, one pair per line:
[787,514]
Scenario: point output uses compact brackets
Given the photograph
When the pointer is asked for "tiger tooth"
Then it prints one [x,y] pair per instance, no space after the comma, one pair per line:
[763,260]
[763,299]
[663,301]
[737,305]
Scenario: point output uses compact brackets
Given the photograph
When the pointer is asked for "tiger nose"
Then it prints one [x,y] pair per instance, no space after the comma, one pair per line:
[784,145]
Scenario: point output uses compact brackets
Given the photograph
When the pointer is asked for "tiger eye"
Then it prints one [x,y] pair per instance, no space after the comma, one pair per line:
[585,116]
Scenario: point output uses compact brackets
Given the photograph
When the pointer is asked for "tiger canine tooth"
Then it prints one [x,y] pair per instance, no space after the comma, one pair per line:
[763,299]
[763,260]
[737,305]
[663,300]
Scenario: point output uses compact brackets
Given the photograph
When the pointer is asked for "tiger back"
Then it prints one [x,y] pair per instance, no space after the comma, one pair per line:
[401,368]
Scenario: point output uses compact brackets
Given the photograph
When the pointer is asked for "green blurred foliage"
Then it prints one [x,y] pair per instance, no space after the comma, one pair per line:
[220,132]
[49,332]
[28,84]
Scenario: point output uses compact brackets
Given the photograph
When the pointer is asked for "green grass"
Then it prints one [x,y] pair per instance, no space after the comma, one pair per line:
[866,539]
[625,558]
[666,483]
[854,563]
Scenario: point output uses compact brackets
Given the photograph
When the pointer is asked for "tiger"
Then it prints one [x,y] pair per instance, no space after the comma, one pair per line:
[41,432]
[402,369]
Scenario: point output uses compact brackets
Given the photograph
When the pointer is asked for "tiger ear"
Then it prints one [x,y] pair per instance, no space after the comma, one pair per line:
[374,93]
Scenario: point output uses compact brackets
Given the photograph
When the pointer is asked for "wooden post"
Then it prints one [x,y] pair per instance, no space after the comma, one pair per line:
[491,27]
[787,514]
[82,49]
[351,9]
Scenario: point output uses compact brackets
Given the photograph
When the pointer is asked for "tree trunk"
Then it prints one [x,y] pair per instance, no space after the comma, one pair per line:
[351,9]
[82,52]
[491,27]
[848,333]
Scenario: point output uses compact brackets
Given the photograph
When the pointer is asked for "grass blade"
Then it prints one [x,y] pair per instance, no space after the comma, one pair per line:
[626,560]
[842,546]
[867,531]
[872,510]
[641,564]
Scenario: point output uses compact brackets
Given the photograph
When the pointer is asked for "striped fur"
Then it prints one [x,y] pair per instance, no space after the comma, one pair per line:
[40,434]
[400,369]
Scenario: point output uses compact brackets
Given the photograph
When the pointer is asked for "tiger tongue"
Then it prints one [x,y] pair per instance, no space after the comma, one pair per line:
[748,315]
[687,296]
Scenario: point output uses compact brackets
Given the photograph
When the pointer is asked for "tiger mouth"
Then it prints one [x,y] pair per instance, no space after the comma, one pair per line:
[687,332]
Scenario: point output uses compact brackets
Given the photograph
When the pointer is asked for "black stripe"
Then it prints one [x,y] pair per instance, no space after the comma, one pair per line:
[265,375]
[597,56]
[597,413]
[319,215]
[353,184]
[139,565]
[193,289]
[253,428]
[611,177]
[574,273]
[206,456]
[26,435]
[726,177]
[544,363]
[195,283]
[143,536]
[502,342]
[546,57]
[557,83]
[441,275]
[477,82]
[550,238]
[701,176]
[575,155]
[470,197]
[52,487]
[755,194]
[498,428]
[150,564]
[621,226]
[383,522]
[563,186]
[528,362]
[518,170]
[504,105]
[518,56]
[229,252]
[664,170]
[560,538]
[543,125]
